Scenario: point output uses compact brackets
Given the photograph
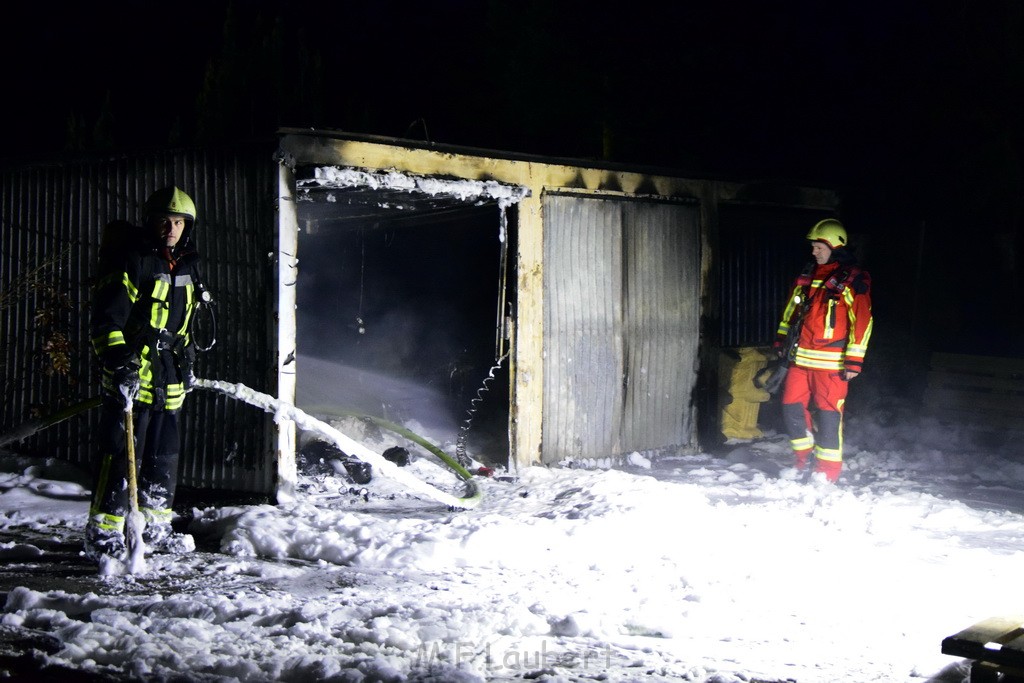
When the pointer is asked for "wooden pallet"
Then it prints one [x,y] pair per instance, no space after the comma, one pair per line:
[995,646]
[976,391]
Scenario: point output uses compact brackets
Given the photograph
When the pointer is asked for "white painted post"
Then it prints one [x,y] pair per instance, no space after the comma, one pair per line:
[287,274]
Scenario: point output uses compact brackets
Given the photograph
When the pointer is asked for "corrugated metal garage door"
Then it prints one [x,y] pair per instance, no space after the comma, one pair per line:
[621,316]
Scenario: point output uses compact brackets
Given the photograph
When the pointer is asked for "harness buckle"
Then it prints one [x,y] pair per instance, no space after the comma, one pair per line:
[164,340]
[159,399]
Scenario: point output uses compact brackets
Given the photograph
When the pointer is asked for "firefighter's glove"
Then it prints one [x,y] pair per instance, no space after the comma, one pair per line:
[771,378]
[189,380]
[124,381]
[779,348]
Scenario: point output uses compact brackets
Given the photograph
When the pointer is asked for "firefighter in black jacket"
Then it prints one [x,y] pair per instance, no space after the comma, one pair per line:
[142,306]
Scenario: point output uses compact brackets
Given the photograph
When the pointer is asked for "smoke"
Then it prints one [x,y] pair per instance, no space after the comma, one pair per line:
[396,316]
[326,386]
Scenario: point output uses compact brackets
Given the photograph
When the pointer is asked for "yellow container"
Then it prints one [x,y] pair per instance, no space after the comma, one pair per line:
[741,400]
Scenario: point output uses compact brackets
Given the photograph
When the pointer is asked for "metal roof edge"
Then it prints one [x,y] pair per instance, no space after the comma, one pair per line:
[737,189]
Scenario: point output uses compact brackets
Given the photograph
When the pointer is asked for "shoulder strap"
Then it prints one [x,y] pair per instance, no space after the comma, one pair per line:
[806,276]
[860,281]
[843,278]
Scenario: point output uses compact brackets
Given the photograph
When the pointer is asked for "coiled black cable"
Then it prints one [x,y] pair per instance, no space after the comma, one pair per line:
[474,406]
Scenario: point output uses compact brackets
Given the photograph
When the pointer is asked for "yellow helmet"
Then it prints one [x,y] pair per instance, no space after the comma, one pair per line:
[170,200]
[830,231]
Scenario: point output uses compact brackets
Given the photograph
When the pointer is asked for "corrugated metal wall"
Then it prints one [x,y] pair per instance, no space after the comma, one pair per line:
[754,283]
[52,217]
[762,249]
[622,294]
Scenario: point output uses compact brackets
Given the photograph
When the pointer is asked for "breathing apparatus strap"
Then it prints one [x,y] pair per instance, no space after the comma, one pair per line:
[834,287]
[793,337]
[840,280]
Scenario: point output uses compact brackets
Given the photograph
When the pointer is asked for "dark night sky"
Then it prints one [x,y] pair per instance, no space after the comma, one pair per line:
[911,109]
[831,92]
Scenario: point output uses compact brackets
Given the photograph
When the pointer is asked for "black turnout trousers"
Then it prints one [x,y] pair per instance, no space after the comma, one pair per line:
[156,459]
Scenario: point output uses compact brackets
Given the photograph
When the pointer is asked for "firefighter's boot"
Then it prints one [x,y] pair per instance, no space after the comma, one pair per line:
[830,468]
[800,459]
[160,537]
[105,537]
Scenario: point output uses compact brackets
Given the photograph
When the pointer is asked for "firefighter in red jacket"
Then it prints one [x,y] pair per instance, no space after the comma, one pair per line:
[824,335]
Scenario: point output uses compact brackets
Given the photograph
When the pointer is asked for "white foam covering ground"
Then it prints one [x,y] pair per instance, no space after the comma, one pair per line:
[689,568]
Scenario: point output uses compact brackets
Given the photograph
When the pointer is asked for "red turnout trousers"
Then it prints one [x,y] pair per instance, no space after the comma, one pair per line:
[824,391]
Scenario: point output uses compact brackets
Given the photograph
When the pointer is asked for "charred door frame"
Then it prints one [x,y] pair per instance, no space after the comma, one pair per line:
[415,188]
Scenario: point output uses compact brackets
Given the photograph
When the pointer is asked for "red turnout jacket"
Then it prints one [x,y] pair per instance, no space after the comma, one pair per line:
[834,301]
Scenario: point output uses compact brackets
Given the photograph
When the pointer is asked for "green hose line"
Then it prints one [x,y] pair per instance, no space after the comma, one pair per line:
[27,429]
[473,492]
[401,431]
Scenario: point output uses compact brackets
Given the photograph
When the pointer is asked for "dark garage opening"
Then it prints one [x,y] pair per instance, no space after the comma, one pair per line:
[398,298]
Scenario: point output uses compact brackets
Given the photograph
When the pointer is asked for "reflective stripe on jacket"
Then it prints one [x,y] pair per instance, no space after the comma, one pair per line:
[837,324]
